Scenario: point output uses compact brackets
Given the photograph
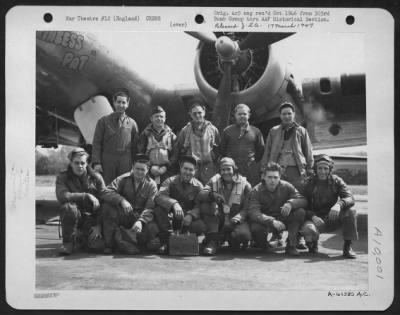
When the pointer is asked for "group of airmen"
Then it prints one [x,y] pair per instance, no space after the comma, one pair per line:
[231,188]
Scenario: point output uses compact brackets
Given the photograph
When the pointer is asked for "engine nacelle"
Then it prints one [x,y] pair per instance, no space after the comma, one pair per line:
[263,84]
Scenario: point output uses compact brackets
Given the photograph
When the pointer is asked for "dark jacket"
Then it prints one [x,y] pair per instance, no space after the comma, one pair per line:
[242,149]
[72,188]
[142,199]
[323,195]
[109,138]
[239,207]
[264,205]
[173,190]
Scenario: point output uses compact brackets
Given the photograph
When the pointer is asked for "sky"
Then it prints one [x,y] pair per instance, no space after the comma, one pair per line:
[167,58]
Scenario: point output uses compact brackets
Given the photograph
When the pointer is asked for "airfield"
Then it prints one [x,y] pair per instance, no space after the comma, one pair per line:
[248,270]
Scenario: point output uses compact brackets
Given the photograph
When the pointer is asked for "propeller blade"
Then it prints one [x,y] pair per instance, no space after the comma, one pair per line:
[222,107]
[207,37]
[261,40]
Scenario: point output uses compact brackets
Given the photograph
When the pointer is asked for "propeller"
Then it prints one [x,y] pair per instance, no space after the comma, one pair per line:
[233,58]
[222,107]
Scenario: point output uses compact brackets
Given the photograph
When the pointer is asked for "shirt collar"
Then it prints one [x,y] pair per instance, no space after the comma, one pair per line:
[264,187]
[293,125]
[247,127]
[71,172]
[182,182]
[135,181]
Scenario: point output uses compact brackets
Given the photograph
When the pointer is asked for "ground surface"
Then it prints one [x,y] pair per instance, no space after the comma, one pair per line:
[250,270]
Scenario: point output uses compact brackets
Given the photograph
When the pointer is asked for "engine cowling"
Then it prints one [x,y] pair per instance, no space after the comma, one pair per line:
[260,79]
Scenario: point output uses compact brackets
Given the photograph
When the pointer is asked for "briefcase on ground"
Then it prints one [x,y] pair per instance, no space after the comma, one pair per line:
[183,244]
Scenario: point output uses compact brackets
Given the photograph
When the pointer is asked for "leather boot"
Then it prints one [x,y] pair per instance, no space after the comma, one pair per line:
[291,250]
[163,249]
[312,247]
[212,244]
[348,251]
[301,243]
[66,248]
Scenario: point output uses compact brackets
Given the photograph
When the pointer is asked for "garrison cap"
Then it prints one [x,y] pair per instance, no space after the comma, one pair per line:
[323,159]
[285,105]
[157,110]
[77,152]
[189,159]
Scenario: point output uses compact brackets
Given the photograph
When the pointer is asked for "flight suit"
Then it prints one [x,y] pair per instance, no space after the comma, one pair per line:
[158,147]
[202,145]
[322,196]
[233,225]
[265,206]
[114,145]
[76,211]
[174,190]
[142,201]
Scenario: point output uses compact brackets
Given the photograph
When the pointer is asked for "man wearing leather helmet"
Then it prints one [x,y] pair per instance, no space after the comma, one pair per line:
[226,194]
[330,204]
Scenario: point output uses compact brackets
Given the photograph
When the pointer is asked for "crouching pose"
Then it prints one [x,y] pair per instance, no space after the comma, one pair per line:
[226,194]
[330,203]
[275,205]
[129,202]
[178,197]
[78,189]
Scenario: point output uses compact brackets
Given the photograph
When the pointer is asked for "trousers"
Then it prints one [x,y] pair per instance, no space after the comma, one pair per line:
[214,220]
[73,220]
[250,170]
[115,165]
[293,223]
[163,219]
[114,217]
[347,219]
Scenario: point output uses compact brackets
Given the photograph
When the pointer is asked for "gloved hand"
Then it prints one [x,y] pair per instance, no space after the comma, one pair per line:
[126,206]
[218,198]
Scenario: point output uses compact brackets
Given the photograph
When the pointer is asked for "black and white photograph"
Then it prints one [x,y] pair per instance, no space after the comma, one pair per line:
[188,163]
